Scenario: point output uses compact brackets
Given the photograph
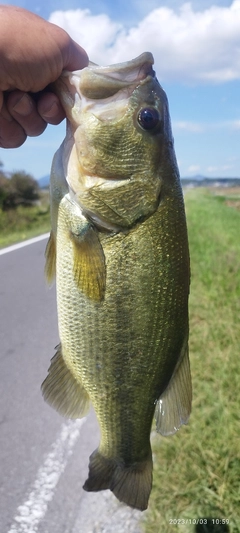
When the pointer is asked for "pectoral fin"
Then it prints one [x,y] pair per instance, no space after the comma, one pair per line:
[62,391]
[174,406]
[50,255]
[89,264]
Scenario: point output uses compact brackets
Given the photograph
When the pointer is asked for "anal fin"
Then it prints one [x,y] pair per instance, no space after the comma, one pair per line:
[50,255]
[174,406]
[62,391]
[89,264]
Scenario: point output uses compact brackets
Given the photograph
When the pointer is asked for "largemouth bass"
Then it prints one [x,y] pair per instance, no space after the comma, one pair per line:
[120,249]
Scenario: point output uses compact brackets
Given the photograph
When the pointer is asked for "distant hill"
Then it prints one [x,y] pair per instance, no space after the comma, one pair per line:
[44,182]
[203,181]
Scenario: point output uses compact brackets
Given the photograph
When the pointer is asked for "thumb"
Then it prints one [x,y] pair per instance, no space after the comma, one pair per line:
[74,56]
[78,59]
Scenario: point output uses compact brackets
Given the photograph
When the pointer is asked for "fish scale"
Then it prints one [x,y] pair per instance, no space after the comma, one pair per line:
[98,341]
[119,240]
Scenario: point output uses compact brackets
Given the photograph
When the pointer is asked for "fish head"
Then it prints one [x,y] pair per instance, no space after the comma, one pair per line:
[118,140]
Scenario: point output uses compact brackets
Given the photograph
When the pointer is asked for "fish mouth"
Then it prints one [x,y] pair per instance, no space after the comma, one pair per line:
[96,95]
[95,83]
[103,82]
[138,67]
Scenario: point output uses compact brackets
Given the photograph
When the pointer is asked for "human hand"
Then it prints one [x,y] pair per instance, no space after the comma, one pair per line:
[33,53]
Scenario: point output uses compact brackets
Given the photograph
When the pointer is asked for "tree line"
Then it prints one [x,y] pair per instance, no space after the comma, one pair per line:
[17,188]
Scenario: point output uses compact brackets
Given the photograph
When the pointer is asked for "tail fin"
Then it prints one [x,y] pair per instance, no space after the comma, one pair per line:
[130,484]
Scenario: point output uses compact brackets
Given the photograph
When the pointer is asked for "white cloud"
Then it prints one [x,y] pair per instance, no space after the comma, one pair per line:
[234,124]
[194,169]
[211,169]
[193,127]
[189,126]
[222,169]
[188,45]
[96,33]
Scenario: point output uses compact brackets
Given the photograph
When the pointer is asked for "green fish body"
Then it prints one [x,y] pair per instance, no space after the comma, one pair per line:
[120,250]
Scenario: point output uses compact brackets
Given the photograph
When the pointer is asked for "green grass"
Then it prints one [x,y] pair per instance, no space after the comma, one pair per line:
[197,471]
[24,222]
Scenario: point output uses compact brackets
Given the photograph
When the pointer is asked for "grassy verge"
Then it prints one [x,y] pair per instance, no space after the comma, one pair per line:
[197,471]
[24,222]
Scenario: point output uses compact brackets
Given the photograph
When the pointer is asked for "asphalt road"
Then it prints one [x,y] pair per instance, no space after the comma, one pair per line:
[43,458]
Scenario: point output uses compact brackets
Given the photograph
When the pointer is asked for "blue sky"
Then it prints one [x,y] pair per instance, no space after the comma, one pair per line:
[196,46]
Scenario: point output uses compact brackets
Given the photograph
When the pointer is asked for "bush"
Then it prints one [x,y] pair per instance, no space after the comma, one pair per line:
[7,194]
[19,189]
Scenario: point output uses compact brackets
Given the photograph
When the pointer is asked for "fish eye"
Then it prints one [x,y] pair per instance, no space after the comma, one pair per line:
[149,118]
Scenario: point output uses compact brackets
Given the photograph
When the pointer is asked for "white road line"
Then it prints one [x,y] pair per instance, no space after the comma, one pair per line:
[35,506]
[23,243]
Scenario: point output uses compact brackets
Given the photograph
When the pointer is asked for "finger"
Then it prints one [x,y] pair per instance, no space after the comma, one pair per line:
[77,57]
[24,110]
[50,109]
[12,134]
